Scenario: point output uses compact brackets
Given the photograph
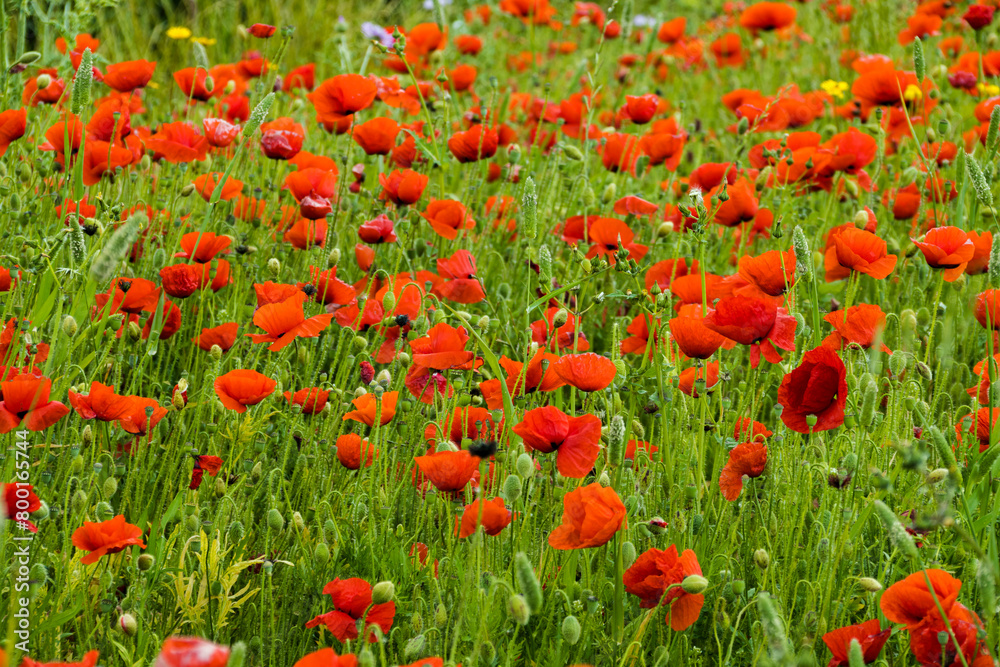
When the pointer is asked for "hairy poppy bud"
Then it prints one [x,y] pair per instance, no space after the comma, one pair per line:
[274,266]
[897,534]
[571,630]
[69,326]
[604,480]
[275,521]
[572,152]
[220,487]
[127,624]
[525,466]
[215,353]
[694,584]
[322,554]
[616,440]
[145,562]
[110,487]
[134,331]
[188,190]
[518,609]
[236,532]
[870,585]
[527,582]
[230,86]
[609,193]
[628,554]
[440,616]
[512,488]
[382,592]
[761,559]
[43,81]
[415,648]
[560,318]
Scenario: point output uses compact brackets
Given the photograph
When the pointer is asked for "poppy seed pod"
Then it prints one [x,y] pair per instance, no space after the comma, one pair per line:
[518,609]
[527,582]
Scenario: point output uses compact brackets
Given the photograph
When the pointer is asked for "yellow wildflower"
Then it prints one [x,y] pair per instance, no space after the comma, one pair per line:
[834,88]
[178,32]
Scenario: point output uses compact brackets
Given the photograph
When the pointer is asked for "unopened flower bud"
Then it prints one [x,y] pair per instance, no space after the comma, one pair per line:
[382,592]
[43,81]
[571,630]
[274,266]
[275,521]
[518,609]
[870,585]
[512,488]
[69,326]
[694,584]
[127,624]
[525,466]
[762,559]
[187,190]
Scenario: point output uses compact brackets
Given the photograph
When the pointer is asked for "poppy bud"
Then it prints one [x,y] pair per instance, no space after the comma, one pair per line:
[110,487]
[561,317]
[360,343]
[525,466]
[589,198]
[127,624]
[134,331]
[220,487]
[608,195]
[69,326]
[79,501]
[416,647]
[209,84]
[274,266]
[694,584]
[275,521]
[43,81]
[868,400]
[924,370]
[527,582]
[628,554]
[512,488]
[616,440]
[230,87]
[187,190]
[518,609]
[382,592]
[440,616]
[572,152]
[571,630]
[761,559]
[604,480]
[743,126]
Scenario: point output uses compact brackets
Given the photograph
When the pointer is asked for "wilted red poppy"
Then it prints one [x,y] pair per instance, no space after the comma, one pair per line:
[19,502]
[447,217]
[352,449]
[817,388]
[655,578]
[576,440]
[369,407]
[240,388]
[592,515]
[26,404]
[402,187]
[869,635]
[286,321]
[861,325]
[748,458]
[947,248]
[352,601]
[755,321]
[448,471]
[495,517]
[587,371]
[106,537]
[773,272]
[126,77]
[341,96]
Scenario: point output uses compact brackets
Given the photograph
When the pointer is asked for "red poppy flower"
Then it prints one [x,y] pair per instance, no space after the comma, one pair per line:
[773,272]
[767,16]
[106,537]
[468,44]
[191,652]
[442,348]
[983,246]
[447,217]
[495,518]
[192,82]
[142,416]
[980,431]
[368,407]
[947,248]
[281,139]
[102,403]
[341,96]
[587,371]
[694,339]
[206,183]
[126,77]
[378,230]
[910,601]
[868,634]
[741,205]
[89,660]
[607,235]
[978,16]
[860,325]
[672,31]
[223,335]
[755,321]
[326,657]
[376,136]
[748,459]
[178,142]
[859,250]
[286,321]
[352,449]
[13,123]
[547,335]
[243,387]
[32,96]
[19,502]
[26,403]
[261,30]
[817,387]
[576,440]
[312,400]
[352,601]
[633,447]
[655,579]
[220,133]
[477,143]
[203,246]
[402,187]
[592,515]
[460,283]
[448,471]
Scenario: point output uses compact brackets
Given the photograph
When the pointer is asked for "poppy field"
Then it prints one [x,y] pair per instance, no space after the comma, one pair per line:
[527,332]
